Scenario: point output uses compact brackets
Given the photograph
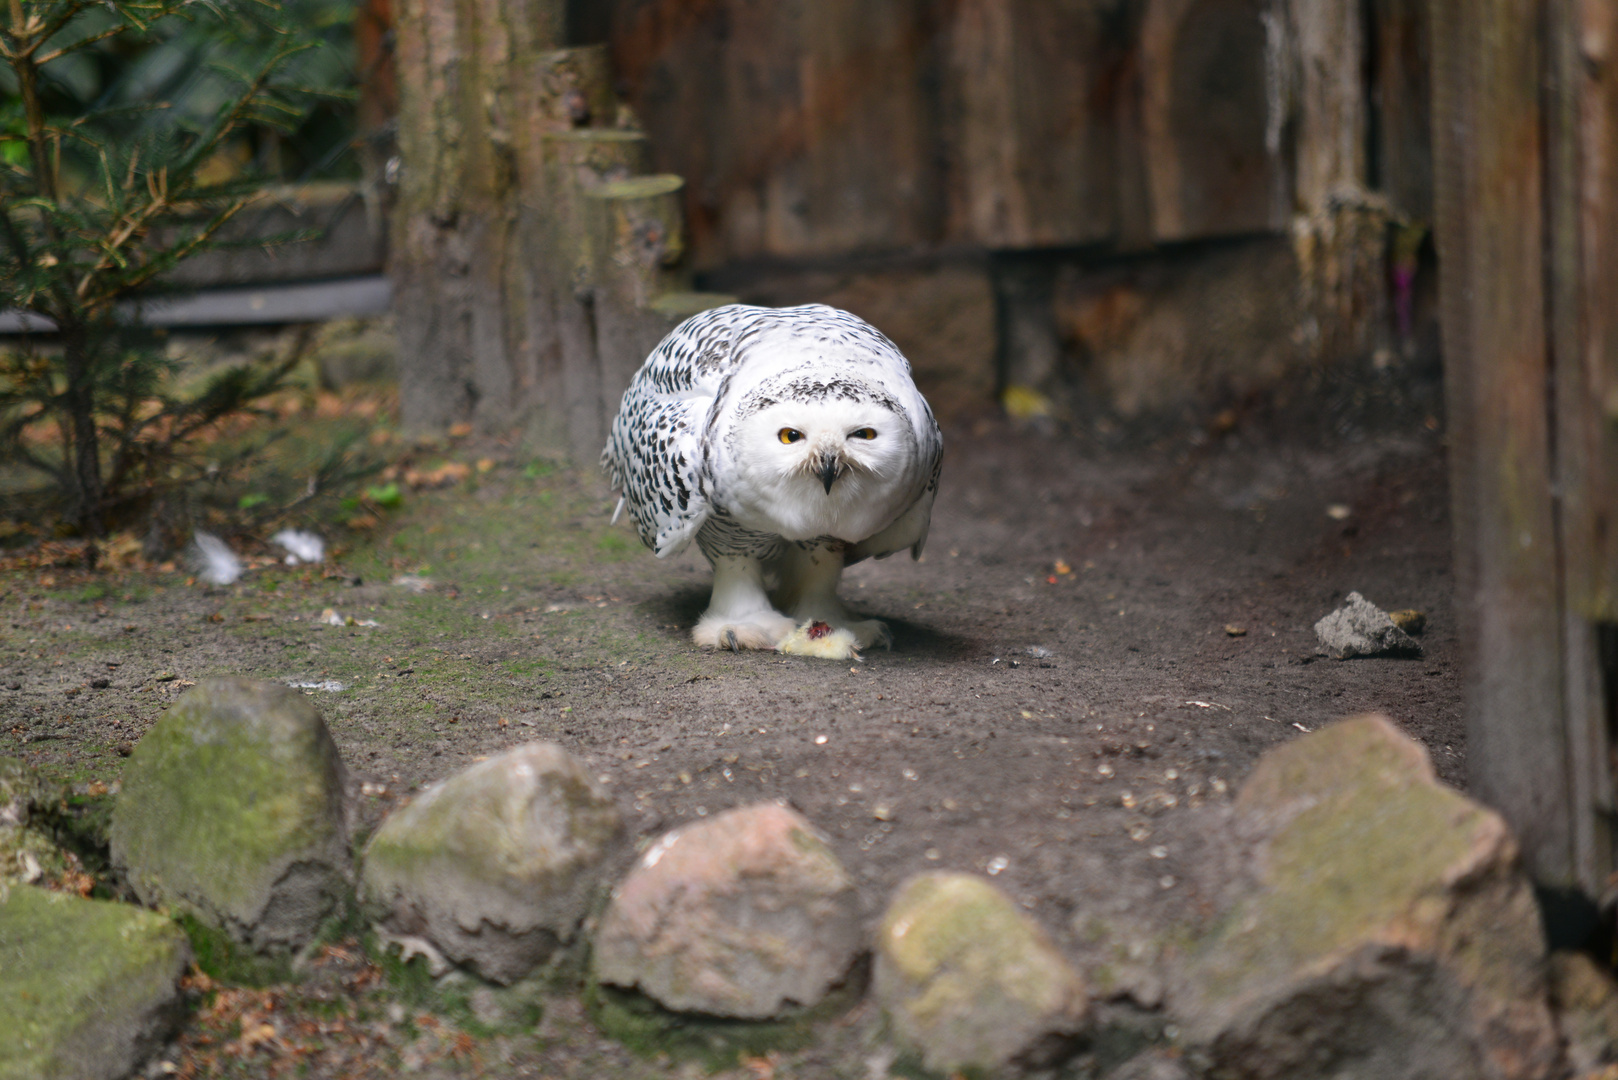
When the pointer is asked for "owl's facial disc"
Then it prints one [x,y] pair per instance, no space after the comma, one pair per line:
[822,460]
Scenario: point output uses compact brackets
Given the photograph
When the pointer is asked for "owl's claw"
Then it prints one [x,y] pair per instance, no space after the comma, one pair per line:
[757,631]
[870,633]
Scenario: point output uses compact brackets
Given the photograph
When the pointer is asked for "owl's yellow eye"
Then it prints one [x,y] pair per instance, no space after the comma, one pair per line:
[789,435]
[864,433]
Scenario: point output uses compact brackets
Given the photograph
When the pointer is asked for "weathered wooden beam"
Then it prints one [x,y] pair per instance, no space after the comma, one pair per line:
[1401,91]
[1582,201]
[1587,412]
[638,241]
[1488,68]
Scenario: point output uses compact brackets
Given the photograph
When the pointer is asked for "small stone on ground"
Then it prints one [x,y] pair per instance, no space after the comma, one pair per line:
[1360,628]
[1586,999]
[27,852]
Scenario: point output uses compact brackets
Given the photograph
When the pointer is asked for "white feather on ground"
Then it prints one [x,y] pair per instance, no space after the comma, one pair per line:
[301,546]
[216,563]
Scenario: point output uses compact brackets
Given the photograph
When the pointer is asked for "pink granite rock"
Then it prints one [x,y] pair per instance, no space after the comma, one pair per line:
[746,915]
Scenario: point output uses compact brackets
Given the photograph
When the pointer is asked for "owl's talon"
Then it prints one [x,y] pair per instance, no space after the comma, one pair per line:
[757,630]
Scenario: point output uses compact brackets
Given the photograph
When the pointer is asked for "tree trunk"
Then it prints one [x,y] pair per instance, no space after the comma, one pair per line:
[518,304]
[83,441]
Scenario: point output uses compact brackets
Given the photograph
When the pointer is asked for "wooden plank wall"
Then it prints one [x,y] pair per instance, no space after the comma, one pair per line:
[1526,211]
[1582,168]
[816,128]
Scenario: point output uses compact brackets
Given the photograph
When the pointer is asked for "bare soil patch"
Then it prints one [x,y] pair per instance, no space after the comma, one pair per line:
[1067,683]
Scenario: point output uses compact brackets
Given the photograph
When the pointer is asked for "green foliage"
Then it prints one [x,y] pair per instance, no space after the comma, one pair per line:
[79,824]
[388,496]
[230,962]
[123,126]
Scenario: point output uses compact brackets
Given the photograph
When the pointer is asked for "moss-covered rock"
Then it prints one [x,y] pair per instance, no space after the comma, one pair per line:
[27,851]
[22,791]
[1387,929]
[495,866]
[969,982]
[232,810]
[88,988]
[1586,1000]
[747,914]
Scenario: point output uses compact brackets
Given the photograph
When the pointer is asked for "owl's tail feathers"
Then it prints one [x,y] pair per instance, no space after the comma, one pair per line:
[618,513]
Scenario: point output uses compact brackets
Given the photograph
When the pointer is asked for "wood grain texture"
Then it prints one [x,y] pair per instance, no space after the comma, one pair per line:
[1588,411]
[826,128]
[1028,121]
[1401,89]
[1204,116]
[1582,153]
[1488,65]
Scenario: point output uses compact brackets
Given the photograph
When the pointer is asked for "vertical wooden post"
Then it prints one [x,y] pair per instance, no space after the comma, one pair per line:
[1524,127]
[1582,172]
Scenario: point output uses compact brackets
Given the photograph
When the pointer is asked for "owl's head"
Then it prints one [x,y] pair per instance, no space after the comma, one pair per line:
[823,457]
[826,442]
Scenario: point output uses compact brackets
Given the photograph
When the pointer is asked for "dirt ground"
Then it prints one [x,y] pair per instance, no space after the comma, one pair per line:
[1067,682]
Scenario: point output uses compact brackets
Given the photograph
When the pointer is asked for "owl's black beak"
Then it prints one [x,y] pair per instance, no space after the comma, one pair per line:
[830,469]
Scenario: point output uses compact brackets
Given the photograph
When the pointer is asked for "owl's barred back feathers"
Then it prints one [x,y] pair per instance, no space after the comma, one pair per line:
[688,448]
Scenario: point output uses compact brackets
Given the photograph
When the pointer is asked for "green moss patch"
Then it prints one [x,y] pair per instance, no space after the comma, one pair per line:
[235,792]
[715,1042]
[82,982]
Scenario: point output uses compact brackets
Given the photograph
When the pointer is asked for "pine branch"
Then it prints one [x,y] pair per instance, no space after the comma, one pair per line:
[112,31]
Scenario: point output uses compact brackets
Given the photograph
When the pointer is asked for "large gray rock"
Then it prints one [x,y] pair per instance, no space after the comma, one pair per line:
[744,915]
[495,866]
[969,982]
[1360,628]
[88,988]
[1385,928]
[232,809]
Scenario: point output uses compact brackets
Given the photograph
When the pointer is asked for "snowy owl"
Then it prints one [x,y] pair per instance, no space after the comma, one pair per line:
[789,443]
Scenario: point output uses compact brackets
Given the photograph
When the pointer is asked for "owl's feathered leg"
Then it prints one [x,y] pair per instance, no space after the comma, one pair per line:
[808,590]
[739,615]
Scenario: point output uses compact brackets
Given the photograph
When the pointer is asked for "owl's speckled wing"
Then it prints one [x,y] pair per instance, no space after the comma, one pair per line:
[654,454]
[664,453]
